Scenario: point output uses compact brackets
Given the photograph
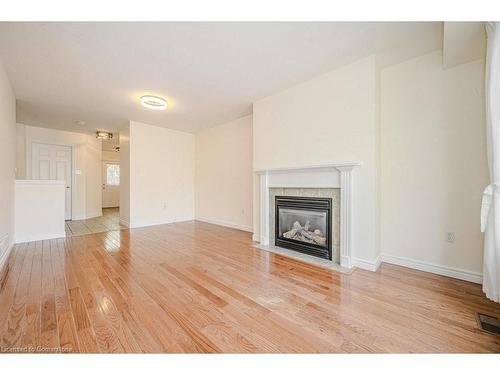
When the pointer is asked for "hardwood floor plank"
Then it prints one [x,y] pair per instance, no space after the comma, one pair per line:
[68,336]
[200,288]
[31,337]
[48,327]
[10,283]
[16,321]
[160,325]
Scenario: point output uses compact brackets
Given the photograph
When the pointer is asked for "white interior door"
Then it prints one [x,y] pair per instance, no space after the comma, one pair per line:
[53,162]
[110,184]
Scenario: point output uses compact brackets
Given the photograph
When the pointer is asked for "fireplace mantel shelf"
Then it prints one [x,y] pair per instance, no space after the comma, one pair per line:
[309,167]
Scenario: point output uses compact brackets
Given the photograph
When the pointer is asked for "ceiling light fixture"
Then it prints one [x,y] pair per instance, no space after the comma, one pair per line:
[153,102]
[101,134]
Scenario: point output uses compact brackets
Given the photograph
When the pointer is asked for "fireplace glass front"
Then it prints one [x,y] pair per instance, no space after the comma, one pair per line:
[303,224]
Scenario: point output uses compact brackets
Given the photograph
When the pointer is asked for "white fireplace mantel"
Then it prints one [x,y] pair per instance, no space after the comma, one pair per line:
[332,175]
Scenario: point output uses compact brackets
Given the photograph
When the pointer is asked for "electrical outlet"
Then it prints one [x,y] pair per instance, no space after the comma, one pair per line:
[164,205]
[450,236]
[243,211]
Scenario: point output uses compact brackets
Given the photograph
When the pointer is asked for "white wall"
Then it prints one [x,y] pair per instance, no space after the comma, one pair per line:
[20,152]
[224,174]
[40,209]
[110,156]
[7,163]
[86,195]
[331,118]
[125,176]
[93,179]
[162,163]
[433,162]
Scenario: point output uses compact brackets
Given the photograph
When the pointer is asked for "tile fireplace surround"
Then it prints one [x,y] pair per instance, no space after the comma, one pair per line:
[332,180]
[333,193]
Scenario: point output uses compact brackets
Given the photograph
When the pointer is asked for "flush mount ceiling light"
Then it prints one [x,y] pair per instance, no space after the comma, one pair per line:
[100,134]
[153,102]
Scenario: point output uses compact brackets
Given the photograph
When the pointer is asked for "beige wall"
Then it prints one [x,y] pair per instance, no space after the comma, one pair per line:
[93,179]
[224,174]
[433,161]
[162,163]
[331,118]
[7,163]
[125,176]
[110,156]
[86,195]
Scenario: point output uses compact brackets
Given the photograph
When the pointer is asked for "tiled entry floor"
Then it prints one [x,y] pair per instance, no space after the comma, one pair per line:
[108,221]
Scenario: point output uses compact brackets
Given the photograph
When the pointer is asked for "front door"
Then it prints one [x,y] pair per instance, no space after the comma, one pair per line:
[53,162]
[110,184]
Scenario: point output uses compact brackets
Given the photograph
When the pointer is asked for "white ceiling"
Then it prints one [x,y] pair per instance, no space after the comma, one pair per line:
[210,73]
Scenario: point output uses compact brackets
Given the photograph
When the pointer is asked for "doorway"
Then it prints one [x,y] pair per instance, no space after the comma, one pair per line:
[53,162]
[110,184]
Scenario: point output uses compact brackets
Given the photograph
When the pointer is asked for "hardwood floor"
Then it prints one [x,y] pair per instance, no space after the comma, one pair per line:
[196,287]
[110,220]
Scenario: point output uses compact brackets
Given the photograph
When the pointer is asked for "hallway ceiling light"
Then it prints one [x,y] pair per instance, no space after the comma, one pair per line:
[100,134]
[153,102]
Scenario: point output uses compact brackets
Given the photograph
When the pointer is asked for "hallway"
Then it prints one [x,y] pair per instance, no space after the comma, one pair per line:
[107,222]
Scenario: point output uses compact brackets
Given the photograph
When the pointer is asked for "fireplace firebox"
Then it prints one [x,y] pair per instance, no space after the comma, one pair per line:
[304,224]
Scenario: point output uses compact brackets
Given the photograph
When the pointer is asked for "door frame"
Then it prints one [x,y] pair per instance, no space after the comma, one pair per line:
[29,165]
[104,181]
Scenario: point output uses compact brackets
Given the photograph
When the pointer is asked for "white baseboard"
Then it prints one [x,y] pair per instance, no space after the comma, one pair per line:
[245,228]
[86,216]
[143,224]
[125,223]
[369,265]
[255,238]
[456,273]
[93,214]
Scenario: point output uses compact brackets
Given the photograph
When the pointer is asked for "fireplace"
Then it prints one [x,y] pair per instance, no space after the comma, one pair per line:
[304,224]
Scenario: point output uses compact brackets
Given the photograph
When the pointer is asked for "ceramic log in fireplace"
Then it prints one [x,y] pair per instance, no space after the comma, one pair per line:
[304,224]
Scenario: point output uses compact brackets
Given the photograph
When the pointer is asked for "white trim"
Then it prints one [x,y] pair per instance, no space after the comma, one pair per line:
[456,273]
[246,228]
[124,222]
[372,265]
[264,209]
[93,214]
[309,167]
[152,224]
[346,208]
[255,237]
